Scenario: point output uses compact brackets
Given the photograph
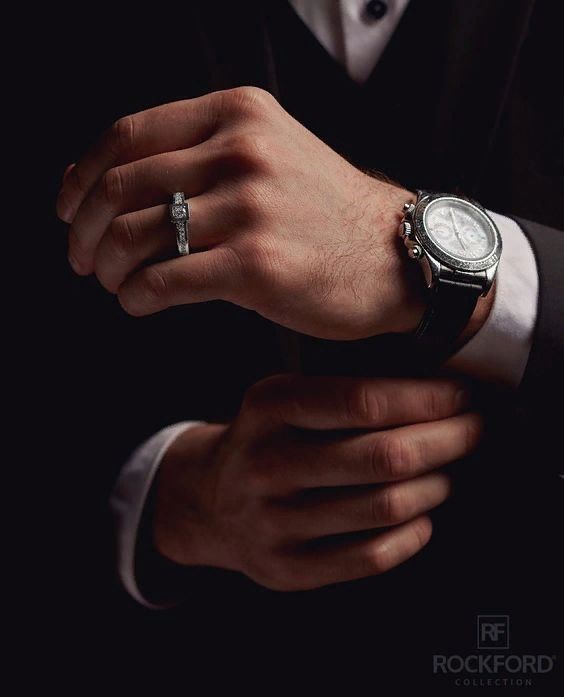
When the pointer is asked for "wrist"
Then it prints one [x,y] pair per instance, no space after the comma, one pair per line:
[180,530]
[404,299]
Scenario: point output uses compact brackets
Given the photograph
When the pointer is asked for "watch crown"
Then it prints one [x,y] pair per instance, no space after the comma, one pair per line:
[415,252]
[408,207]
[405,229]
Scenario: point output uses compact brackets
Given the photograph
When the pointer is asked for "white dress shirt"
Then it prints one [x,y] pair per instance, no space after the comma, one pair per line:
[497,353]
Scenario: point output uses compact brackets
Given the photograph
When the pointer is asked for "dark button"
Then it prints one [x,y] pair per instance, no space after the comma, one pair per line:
[376,9]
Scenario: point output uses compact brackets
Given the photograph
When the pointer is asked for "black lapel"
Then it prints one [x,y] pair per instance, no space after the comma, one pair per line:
[481,49]
[237,45]
[483,46]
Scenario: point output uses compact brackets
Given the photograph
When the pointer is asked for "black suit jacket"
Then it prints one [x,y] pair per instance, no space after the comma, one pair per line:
[491,130]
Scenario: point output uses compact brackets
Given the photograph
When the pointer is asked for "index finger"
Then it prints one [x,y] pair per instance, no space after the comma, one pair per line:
[166,128]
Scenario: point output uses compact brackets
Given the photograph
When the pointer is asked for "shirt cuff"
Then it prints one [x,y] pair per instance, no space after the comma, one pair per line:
[499,351]
[128,500]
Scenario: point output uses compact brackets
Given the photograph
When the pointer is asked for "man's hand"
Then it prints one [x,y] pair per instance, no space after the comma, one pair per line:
[294,493]
[283,224]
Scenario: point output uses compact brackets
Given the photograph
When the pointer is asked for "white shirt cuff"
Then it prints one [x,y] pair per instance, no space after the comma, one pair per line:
[128,499]
[500,350]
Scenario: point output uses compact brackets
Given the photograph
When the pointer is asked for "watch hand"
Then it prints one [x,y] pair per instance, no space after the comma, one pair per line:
[456,230]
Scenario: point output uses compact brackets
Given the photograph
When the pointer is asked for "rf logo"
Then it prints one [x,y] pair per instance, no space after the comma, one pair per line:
[493,631]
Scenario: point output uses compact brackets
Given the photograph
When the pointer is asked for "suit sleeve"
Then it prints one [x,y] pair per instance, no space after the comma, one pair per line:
[539,402]
[546,363]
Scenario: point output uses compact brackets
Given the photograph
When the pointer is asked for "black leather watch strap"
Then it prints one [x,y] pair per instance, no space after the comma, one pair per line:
[450,306]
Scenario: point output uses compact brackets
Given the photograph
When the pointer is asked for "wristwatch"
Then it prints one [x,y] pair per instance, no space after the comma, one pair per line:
[458,247]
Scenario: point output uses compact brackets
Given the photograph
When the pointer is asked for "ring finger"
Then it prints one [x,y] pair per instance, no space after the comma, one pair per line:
[138,184]
[135,239]
[365,508]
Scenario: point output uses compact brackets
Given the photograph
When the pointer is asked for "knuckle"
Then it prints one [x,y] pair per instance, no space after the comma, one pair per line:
[245,151]
[113,186]
[433,401]
[395,456]
[258,150]
[377,558]
[120,238]
[373,455]
[248,100]
[114,251]
[365,405]
[150,292]
[121,135]
[392,506]
[239,141]
[154,286]
[439,400]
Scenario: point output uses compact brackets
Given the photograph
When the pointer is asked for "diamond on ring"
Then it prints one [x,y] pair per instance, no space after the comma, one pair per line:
[179,215]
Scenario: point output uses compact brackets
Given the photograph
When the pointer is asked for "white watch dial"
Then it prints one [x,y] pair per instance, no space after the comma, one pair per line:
[459,228]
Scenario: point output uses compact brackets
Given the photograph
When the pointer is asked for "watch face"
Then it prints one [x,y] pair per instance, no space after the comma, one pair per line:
[459,228]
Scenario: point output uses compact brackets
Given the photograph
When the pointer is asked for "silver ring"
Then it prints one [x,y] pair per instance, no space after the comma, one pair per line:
[179,215]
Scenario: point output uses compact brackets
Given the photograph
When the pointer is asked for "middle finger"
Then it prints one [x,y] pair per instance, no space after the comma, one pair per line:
[135,239]
[374,457]
[364,508]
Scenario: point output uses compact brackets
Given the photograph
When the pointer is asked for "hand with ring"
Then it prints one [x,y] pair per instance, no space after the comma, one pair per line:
[280,223]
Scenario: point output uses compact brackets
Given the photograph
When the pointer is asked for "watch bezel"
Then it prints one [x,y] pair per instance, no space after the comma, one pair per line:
[429,246]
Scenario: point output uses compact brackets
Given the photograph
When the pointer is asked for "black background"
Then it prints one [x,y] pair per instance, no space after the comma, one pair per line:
[80,364]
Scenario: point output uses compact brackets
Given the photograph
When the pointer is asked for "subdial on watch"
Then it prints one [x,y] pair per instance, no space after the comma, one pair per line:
[473,234]
[476,239]
[442,231]
[458,228]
